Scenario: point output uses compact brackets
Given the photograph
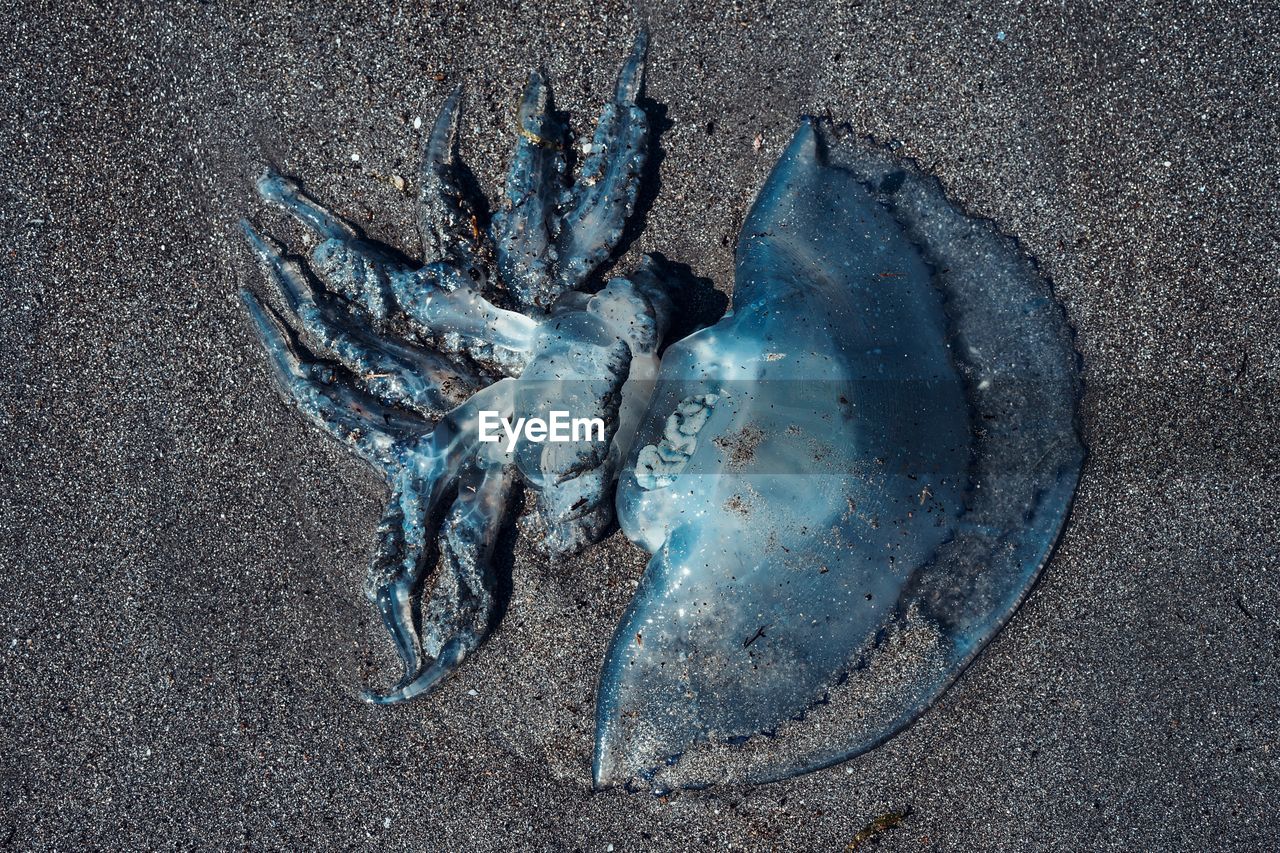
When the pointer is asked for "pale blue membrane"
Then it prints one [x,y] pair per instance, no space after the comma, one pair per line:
[848,484]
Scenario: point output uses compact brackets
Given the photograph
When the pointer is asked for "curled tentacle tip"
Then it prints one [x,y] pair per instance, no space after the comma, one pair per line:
[448,117]
[534,119]
[536,95]
[373,697]
[248,299]
[631,77]
[649,263]
[639,47]
[423,682]
[256,241]
[268,327]
[441,142]
[275,187]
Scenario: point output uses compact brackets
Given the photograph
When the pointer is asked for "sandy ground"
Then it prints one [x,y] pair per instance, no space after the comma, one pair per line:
[181,626]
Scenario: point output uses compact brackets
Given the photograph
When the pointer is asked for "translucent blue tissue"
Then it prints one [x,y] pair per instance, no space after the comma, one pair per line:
[848,484]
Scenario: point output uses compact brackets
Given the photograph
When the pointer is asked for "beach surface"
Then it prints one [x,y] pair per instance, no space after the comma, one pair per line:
[182,630]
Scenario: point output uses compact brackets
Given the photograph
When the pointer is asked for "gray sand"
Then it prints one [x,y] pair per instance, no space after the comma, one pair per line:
[181,626]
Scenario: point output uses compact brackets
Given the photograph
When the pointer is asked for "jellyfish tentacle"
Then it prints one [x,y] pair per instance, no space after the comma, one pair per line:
[436,466]
[525,231]
[326,395]
[440,300]
[275,188]
[604,196]
[448,219]
[372,346]
[460,612]
[391,581]
[396,373]
[348,265]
